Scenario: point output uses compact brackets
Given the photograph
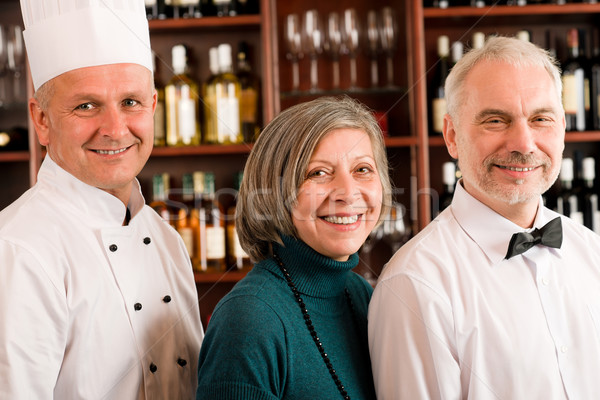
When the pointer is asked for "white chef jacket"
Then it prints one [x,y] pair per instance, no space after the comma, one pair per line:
[451,318]
[91,309]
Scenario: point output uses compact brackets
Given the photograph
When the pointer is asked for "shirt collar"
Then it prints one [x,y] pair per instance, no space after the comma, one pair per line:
[96,206]
[491,231]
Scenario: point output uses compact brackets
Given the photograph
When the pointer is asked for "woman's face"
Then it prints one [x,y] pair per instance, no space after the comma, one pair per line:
[339,201]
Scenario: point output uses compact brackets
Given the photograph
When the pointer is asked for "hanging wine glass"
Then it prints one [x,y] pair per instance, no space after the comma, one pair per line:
[389,37]
[16,62]
[373,45]
[293,40]
[333,45]
[351,35]
[396,227]
[313,44]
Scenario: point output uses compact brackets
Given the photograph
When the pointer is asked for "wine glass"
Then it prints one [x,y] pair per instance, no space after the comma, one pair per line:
[396,227]
[351,34]
[366,252]
[313,44]
[373,45]
[16,62]
[293,40]
[389,36]
[333,45]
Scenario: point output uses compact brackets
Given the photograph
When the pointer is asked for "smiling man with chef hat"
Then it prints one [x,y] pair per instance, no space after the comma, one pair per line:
[97,296]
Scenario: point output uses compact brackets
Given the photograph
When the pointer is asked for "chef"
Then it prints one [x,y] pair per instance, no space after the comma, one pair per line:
[97,295]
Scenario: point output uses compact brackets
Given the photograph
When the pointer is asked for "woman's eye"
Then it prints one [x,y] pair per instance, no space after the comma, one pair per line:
[316,174]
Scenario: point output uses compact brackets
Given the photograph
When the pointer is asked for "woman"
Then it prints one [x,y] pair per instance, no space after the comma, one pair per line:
[295,327]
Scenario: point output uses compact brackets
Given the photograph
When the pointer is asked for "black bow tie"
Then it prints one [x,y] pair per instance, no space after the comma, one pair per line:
[549,235]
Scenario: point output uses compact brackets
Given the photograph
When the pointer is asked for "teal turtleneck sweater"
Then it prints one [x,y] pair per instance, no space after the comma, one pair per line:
[257,345]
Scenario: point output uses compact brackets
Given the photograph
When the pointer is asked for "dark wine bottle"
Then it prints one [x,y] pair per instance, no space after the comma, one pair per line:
[438,101]
[588,197]
[574,90]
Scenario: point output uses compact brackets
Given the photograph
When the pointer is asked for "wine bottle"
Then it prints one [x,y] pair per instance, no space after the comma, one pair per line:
[212,229]
[151,9]
[160,196]
[440,3]
[438,101]
[457,51]
[478,40]
[249,95]
[449,180]
[574,91]
[182,103]
[589,195]
[222,102]
[478,3]
[159,112]
[595,81]
[237,257]
[566,202]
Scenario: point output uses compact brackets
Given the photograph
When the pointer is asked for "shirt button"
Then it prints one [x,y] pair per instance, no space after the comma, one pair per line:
[113,247]
[153,367]
[181,362]
[167,299]
[563,349]
[545,281]
[147,240]
[137,306]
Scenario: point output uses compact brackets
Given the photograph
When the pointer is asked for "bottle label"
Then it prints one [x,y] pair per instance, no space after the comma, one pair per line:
[439,110]
[569,94]
[187,120]
[215,242]
[235,249]
[187,234]
[159,123]
[171,115]
[228,119]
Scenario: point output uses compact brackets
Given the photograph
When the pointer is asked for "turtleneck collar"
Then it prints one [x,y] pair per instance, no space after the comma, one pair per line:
[312,273]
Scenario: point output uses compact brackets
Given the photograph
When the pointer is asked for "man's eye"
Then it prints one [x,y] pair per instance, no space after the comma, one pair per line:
[85,106]
[130,103]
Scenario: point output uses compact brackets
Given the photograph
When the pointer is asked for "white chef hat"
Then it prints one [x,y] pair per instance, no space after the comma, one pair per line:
[63,35]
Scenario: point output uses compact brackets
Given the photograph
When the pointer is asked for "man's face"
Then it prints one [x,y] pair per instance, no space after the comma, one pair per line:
[99,124]
[509,135]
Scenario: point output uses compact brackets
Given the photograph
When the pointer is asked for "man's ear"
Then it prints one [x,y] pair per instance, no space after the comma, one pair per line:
[40,121]
[449,131]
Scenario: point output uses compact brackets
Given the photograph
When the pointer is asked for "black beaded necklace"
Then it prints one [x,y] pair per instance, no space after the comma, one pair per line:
[311,327]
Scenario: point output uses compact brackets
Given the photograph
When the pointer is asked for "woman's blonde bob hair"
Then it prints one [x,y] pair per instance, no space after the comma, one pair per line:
[277,165]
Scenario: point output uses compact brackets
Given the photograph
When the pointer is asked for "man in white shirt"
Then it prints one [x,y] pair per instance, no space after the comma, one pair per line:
[97,295]
[456,314]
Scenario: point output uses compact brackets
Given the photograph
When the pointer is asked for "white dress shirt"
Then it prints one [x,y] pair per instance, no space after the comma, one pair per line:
[91,309]
[451,318]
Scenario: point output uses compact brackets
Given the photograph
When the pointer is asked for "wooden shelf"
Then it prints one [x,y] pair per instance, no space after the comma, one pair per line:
[570,137]
[219,277]
[205,149]
[12,156]
[533,9]
[204,22]
[400,141]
